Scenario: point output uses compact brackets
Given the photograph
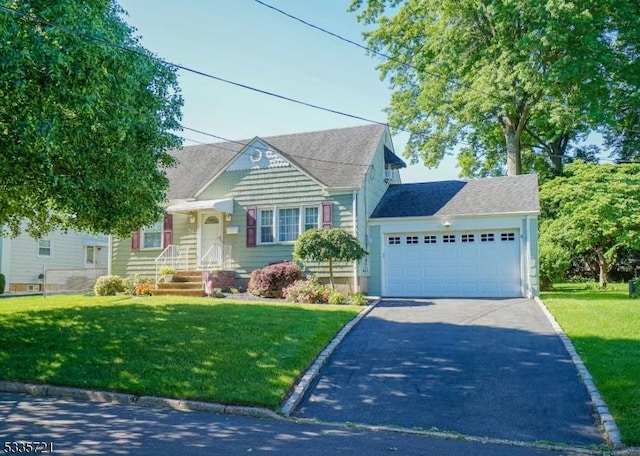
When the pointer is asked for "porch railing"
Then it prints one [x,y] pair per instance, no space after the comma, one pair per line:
[174,256]
[216,257]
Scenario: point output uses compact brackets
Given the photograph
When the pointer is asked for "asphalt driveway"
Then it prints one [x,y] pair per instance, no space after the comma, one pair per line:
[492,368]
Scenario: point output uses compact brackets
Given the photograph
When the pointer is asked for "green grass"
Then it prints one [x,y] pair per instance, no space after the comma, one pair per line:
[189,348]
[604,326]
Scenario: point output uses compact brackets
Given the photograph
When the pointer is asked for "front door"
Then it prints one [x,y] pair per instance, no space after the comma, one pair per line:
[211,231]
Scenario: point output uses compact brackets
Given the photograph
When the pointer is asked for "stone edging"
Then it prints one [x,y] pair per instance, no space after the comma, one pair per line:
[303,384]
[130,399]
[609,424]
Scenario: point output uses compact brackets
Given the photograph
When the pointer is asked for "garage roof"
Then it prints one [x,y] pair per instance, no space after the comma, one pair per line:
[493,195]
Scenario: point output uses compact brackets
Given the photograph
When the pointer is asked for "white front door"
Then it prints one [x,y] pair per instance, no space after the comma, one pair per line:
[211,231]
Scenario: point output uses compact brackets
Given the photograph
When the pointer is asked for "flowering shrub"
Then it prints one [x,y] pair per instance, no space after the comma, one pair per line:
[270,281]
[143,289]
[308,291]
[131,283]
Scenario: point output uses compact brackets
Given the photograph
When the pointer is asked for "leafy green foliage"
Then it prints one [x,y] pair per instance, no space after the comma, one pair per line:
[593,209]
[109,285]
[358,299]
[2,283]
[530,75]
[86,114]
[334,244]
[132,283]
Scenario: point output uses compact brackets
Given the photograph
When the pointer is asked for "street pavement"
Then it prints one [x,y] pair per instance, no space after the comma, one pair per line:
[93,428]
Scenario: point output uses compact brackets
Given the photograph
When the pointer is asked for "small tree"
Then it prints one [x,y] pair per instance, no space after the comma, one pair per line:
[334,244]
[593,209]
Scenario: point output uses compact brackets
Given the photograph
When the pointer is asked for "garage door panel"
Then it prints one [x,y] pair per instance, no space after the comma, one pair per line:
[485,265]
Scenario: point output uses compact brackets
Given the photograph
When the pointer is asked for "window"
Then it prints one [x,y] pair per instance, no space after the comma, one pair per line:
[412,239]
[89,255]
[288,224]
[430,239]
[44,248]
[266,226]
[152,236]
[487,237]
[507,237]
[448,238]
[394,240]
[467,238]
[311,215]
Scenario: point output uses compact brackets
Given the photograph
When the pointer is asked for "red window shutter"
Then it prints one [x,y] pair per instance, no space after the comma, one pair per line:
[252,213]
[167,233]
[135,241]
[327,215]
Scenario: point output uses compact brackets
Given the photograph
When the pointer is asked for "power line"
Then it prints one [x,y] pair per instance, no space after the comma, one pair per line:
[373,51]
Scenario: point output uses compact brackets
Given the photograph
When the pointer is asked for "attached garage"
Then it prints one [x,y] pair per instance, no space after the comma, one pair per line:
[475,238]
[453,264]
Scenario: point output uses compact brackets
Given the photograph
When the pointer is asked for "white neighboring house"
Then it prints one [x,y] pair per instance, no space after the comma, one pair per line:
[24,259]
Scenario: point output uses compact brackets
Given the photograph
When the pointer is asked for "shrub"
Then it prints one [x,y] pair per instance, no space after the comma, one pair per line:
[2,283]
[143,289]
[131,283]
[109,285]
[269,281]
[336,297]
[167,270]
[308,291]
[358,299]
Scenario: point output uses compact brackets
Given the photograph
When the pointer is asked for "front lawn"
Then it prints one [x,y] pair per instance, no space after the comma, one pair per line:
[190,348]
[604,327]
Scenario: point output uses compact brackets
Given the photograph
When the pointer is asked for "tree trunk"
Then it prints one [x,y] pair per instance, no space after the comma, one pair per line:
[602,264]
[514,164]
[331,273]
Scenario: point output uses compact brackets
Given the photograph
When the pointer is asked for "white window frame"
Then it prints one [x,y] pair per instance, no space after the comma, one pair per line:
[274,218]
[143,236]
[42,247]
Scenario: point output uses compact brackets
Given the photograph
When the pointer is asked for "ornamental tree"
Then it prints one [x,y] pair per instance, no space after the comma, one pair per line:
[593,209]
[539,74]
[86,115]
[331,245]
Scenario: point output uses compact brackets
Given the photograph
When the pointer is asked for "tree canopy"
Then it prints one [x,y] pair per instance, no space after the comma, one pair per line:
[86,115]
[593,209]
[508,81]
[334,244]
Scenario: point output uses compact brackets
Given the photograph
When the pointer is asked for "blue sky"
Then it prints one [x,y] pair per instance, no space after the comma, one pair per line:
[246,42]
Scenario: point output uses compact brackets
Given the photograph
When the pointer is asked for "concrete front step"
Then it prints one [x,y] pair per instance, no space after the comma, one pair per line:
[177,292]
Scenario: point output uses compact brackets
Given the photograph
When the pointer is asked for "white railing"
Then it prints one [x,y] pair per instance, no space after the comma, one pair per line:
[216,256]
[174,256]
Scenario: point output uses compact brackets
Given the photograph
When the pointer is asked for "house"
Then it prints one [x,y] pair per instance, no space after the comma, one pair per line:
[234,207]
[59,257]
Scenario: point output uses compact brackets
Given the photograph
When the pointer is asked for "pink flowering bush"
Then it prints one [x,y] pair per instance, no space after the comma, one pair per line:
[308,291]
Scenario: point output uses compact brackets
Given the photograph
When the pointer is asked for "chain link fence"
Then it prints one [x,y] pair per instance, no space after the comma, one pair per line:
[58,281]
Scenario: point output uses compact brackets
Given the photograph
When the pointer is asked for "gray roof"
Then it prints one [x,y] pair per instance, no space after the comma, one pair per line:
[336,158]
[493,195]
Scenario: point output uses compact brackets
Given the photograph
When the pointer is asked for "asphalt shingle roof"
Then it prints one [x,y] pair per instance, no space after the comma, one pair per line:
[336,158]
[494,195]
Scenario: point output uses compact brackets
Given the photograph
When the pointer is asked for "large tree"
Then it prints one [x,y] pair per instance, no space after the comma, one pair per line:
[538,72]
[86,115]
[592,210]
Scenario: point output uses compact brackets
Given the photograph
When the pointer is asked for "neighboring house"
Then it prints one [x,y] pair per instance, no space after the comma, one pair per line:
[24,260]
[239,206]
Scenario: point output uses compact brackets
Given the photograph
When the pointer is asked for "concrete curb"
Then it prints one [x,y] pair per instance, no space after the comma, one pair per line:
[130,399]
[606,419]
[301,387]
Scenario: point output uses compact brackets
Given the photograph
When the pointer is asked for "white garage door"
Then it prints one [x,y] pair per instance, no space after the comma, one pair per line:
[463,264]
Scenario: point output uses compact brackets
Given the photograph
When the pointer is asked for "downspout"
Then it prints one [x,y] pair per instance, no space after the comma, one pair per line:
[109,254]
[354,208]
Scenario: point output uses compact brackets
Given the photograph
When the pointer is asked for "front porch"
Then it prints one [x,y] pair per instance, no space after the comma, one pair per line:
[194,273]
[195,283]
